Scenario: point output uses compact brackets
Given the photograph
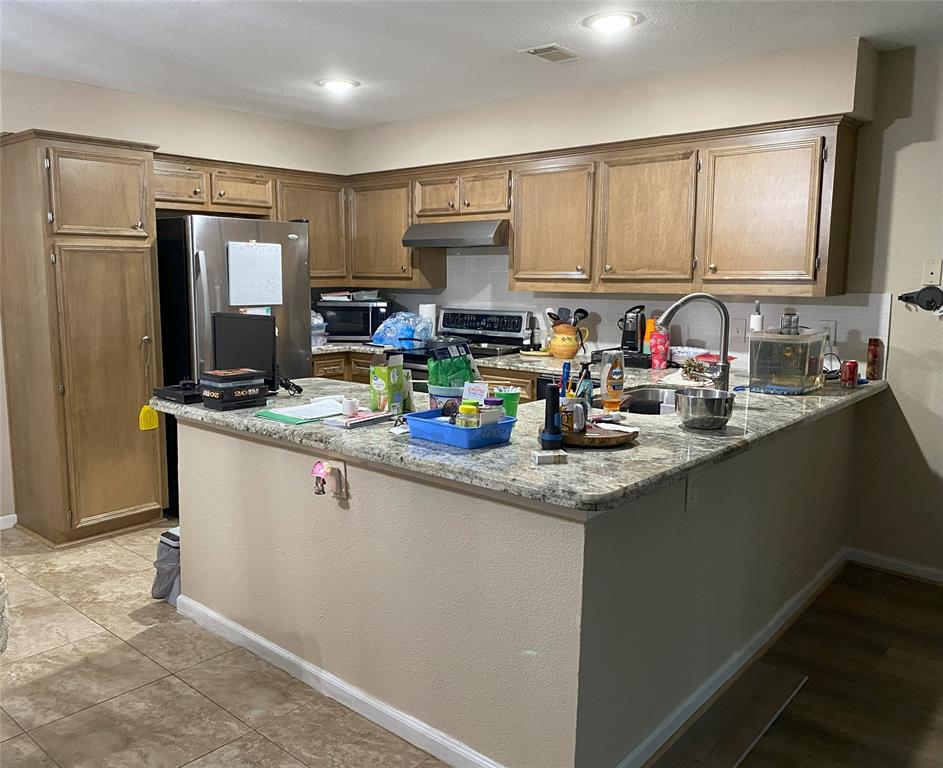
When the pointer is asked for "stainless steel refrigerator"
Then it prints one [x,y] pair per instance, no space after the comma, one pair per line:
[212,264]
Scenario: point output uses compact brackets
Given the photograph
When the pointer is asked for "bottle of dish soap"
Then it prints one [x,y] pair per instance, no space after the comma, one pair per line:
[613,369]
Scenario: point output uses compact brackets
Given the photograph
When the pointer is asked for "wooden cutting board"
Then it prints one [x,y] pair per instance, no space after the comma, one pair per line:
[594,437]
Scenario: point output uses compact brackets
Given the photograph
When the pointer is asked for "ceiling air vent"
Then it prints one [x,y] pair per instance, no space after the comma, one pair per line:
[554,53]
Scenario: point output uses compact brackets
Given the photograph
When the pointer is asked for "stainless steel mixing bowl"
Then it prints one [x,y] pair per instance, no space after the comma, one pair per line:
[704,408]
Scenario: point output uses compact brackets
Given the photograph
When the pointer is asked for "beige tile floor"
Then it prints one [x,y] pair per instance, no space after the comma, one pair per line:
[99,675]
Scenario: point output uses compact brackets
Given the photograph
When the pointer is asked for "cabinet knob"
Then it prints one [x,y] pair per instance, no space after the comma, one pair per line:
[197,191]
[402,268]
[139,225]
[608,268]
[466,203]
[579,268]
[451,203]
[222,193]
[712,268]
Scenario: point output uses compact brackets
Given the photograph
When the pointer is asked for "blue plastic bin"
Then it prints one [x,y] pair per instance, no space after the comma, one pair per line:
[424,426]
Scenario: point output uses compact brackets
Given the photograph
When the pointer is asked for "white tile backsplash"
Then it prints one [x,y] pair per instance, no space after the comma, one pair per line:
[481,281]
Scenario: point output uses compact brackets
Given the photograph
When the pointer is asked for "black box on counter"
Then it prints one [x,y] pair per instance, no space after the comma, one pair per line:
[230,389]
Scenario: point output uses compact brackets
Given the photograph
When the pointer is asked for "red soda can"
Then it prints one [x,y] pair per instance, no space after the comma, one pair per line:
[849,374]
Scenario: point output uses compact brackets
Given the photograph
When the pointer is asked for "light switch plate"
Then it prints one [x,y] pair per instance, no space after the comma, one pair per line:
[931,272]
[738,331]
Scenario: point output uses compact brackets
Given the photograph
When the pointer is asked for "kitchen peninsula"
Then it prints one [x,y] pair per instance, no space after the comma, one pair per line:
[498,613]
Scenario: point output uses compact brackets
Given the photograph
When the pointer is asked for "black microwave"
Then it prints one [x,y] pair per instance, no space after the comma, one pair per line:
[352,320]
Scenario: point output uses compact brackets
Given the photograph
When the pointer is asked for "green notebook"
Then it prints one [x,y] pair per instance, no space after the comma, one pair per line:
[320,408]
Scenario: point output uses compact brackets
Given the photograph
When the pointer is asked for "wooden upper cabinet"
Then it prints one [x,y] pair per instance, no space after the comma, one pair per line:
[323,206]
[436,197]
[485,192]
[645,216]
[115,469]
[553,224]
[98,192]
[243,188]
[759,210]
[175,183]
[379,215]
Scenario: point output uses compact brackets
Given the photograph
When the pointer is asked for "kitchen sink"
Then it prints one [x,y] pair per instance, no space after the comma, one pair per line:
[653,401]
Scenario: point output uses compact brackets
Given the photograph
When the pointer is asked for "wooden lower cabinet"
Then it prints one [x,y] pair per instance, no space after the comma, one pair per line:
[330,366]
[523,379]
[107,338]
[359,367]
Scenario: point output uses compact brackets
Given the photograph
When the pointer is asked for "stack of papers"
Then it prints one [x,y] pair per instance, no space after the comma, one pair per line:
[320,408]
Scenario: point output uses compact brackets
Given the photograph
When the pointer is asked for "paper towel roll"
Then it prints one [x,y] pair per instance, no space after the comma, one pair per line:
[428,310]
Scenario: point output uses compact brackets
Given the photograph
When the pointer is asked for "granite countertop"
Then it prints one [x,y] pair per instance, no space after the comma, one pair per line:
[594,480]
[339,347]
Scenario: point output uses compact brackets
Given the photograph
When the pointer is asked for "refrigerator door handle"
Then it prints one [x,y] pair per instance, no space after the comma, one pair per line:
[201,303]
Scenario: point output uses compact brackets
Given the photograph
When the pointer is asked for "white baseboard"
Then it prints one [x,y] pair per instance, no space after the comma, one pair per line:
[7,521]
[903,567]
[438,744]
[666,729]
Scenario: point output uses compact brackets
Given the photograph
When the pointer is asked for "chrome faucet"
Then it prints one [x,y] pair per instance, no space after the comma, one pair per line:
[721,373]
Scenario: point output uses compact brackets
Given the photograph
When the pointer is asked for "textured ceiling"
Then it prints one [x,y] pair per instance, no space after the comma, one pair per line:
[414,58]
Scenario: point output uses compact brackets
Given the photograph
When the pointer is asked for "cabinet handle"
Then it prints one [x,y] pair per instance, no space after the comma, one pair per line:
[466,203]
[197,191]
[712,268]
[222,193]
[608,268]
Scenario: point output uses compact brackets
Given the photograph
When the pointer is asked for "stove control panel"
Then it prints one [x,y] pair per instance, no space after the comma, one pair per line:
[507,323]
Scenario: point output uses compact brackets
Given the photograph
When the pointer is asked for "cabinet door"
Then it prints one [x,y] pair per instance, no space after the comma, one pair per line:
[360,367]
[329,366]
[323,207]
[645,217]
[94,192]
[759,210]
[526,382]
[179,183]
[242,188]
[378,218]
[485,192]
[553,224]
[109,356]
[436,197]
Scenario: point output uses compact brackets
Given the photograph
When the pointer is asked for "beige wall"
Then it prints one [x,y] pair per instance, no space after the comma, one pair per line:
[899,225]
[455,609]
[179,127]
[671,593]
[811,81]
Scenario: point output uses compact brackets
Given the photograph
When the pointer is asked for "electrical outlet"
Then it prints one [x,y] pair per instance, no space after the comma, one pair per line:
[931,272]
[831,329]
[738,330]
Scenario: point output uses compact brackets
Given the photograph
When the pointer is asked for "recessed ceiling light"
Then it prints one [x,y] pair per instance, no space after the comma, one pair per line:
[338,84]
[610,23]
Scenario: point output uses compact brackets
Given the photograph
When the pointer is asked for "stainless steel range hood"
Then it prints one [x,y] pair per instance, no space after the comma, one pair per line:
[457,234]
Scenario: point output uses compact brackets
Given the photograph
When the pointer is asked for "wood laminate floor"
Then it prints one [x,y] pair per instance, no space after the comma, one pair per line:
[99,675]
[872,647]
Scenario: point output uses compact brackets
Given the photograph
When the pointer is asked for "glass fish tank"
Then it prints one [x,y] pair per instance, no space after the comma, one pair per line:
[787,364]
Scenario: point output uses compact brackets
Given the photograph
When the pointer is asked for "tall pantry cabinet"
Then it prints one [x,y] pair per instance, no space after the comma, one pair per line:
[81,342]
